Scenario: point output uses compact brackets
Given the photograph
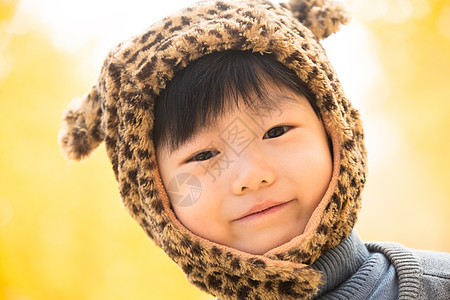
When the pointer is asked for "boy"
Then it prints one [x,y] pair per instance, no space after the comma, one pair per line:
[237,152]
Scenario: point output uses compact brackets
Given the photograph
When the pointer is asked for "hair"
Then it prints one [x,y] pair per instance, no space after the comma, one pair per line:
[215,84]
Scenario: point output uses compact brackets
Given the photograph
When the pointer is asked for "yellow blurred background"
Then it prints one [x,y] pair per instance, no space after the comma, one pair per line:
[63,231]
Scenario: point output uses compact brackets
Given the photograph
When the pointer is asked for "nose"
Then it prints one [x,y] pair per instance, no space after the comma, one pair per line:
[252,171]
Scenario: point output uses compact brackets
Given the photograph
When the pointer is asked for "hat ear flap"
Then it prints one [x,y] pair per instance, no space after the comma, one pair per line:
[322,17]
[81,129]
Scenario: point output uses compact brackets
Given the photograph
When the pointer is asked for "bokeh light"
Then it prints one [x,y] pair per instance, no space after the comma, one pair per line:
[63,231]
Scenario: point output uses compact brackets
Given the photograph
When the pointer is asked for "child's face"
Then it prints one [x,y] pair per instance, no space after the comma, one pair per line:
[251,182]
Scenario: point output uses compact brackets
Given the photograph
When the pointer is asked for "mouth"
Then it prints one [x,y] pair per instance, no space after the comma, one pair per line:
[263,209]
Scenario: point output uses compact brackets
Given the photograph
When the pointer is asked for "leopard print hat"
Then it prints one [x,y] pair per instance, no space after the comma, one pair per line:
[119,110]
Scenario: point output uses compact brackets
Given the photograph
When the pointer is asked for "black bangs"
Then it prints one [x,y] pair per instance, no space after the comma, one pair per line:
[216,84]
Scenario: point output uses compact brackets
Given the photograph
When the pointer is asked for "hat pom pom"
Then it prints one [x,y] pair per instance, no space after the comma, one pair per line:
[322,17]
[81,129]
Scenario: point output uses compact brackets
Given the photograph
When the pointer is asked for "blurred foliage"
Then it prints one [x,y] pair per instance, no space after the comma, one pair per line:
[63,231]
[417,67]
[410,193]
[7,9]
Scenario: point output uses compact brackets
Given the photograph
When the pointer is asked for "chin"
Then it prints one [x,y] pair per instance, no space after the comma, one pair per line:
[262,245]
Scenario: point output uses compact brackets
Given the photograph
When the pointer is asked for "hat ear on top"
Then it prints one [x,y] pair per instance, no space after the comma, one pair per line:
[322,17]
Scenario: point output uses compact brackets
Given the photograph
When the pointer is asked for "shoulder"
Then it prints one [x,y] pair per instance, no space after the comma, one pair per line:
[436,273]
[425,274]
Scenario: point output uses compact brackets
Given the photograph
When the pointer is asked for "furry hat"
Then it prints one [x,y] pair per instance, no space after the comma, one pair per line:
[119,110]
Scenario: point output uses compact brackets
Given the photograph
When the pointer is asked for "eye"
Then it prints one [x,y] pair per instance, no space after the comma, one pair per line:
[276,131]
[204,155]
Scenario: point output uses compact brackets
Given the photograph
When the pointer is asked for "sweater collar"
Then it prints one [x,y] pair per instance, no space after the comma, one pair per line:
[341,262]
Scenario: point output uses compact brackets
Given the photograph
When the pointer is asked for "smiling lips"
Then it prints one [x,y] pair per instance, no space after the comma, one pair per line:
[261,209]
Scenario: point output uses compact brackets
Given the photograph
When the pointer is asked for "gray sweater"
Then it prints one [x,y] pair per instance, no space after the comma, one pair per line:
[354,270]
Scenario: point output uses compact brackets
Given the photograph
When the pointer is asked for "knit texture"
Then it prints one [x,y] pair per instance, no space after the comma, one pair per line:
[354,273]
[119,110]
[382,270]
[341,262]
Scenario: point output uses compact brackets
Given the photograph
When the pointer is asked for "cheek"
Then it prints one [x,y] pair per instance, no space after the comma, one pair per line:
[308,164]
[205,216]
[320,168]
[195,217]
[323,173]
[196,199]
[191,201]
